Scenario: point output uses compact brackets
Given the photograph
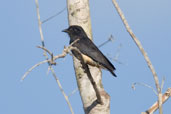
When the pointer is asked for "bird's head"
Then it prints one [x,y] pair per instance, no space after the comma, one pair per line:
[75,32]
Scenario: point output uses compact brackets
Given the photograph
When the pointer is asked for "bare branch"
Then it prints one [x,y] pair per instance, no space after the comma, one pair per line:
[64,53]
[99,99]
[51,54]
[36,65]
[138,43]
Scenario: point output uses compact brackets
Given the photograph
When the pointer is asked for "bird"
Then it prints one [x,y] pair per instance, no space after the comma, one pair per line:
[89,51]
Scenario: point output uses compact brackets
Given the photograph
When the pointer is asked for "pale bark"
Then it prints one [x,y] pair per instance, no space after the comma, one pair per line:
[78,14]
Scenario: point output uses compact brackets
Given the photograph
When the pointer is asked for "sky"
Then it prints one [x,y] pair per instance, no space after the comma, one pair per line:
[40,94]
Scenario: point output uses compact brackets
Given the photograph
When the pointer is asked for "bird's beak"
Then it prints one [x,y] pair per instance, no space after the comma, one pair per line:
[65,30]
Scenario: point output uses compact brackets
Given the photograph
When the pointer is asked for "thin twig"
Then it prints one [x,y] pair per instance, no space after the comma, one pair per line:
[45,50]
[61,89]
[117,52]
[74,91]
[51,17]
[108,40]
[33,67]
[42,62]
[162,84]
[143,84]
[40,28]
[39,23]
[116,57]
[111,39]
[138,43]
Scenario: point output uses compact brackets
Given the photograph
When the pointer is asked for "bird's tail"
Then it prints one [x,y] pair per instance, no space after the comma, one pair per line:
[113,73]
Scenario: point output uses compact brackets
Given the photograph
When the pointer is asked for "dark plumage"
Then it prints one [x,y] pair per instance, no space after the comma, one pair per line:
[90,53]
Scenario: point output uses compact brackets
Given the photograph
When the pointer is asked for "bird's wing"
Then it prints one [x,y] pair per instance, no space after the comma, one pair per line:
[88,48]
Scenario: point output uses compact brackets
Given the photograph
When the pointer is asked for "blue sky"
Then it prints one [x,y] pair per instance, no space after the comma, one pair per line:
[39,93]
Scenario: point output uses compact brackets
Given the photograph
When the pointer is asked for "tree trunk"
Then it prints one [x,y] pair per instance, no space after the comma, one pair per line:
[78,14]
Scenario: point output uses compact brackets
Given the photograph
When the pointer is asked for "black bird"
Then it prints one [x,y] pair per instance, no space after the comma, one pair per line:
[90,53]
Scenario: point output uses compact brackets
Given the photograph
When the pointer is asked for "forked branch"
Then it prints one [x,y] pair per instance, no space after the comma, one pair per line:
[155,106]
